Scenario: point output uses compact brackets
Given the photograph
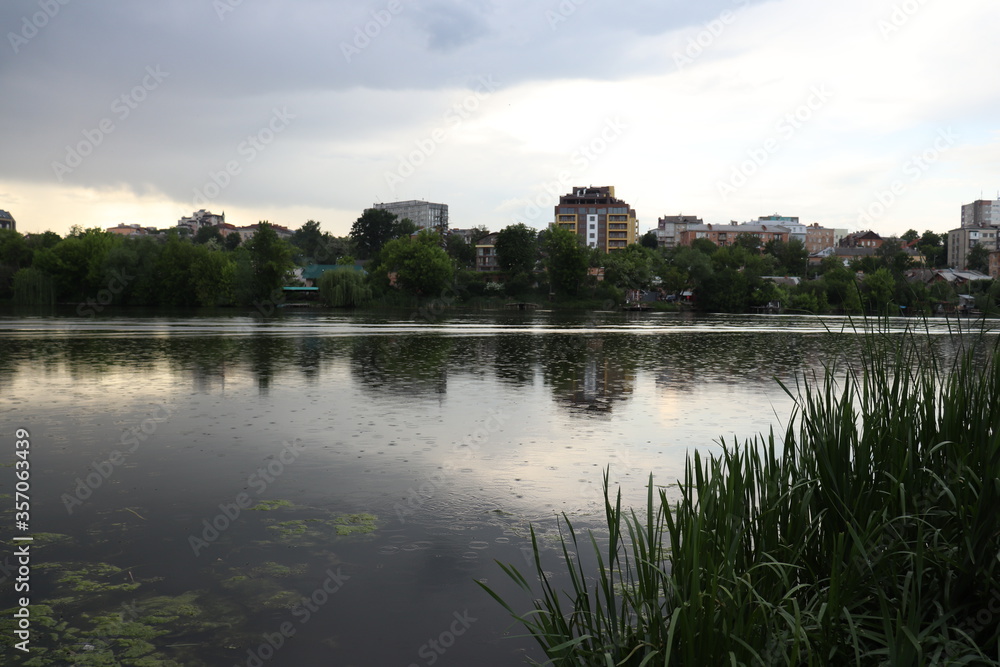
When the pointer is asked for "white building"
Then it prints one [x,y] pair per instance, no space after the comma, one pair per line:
[425,215]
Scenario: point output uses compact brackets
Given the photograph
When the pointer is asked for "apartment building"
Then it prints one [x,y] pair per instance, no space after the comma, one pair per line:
[599,218]
[963,239]
[669,226]
[723,235]
[819,238]
[981,213]
[425,215]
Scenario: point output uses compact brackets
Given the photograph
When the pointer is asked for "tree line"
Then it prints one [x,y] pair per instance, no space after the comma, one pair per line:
[98,268]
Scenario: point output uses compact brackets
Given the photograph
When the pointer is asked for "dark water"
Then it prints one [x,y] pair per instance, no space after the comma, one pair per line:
[432,445]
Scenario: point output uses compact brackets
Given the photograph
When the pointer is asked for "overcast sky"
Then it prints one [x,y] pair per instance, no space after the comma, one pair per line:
[860,114]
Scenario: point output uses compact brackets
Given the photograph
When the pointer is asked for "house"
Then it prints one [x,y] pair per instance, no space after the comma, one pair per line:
[7,221]
[725,235]
[865,239]
[486,253]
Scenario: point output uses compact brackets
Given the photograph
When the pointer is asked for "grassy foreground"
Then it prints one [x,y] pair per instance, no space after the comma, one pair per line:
[868,535]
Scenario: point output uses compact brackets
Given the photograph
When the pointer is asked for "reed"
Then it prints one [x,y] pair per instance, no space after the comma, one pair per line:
[868,534]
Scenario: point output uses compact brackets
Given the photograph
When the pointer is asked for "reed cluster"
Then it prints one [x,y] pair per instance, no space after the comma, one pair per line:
[869,534]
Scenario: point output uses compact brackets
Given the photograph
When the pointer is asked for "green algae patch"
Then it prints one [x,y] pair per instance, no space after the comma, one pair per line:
[355,524]
[95,578]
[45,539]
[271,505]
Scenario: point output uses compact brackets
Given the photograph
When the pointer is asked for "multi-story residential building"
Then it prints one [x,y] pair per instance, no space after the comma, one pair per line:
[865,239]
[981,213]
[425,215]
[796,231]
[723,235]
[819,238]
[598,217]
[669,226]
[7,221]
[201,218]
[963,239]
[470,236]
[486,253]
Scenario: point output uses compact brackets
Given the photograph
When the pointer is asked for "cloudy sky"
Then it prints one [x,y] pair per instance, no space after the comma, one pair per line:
[858,114]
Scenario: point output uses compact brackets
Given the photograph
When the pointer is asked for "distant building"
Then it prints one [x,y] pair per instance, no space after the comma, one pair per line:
[796,231]
[963,239]
[865,239]
[981,213]
[123,229]
[669,226]
[994,264]
[470,236]
[819,238]
[598,217]
[7,221]
[486,253]
[200,219]
[425,215]
[248,231]
[725,235]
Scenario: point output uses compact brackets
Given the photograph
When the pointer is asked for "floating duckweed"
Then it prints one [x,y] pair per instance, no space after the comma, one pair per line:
[44,539]
[269,505]
[352,524]
[92,578]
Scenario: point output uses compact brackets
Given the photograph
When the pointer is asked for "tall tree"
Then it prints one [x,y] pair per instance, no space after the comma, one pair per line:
[649,240]
[517,249]
[270,261]
[566,260]
[372,230]
[421,267]
[978,259]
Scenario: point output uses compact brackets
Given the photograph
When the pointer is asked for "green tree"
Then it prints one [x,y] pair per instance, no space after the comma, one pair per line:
[372,230]
[748,241]
[566,260]
[649,240]
[793,258]
[208,233]
[214,273]
[517,249]
[879,288]
[345,288]
[704,246]
[422,268]
[910,235]
[308,238]
[463,253]
[270,261]
[630,268]
[232,241]
[978,259]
